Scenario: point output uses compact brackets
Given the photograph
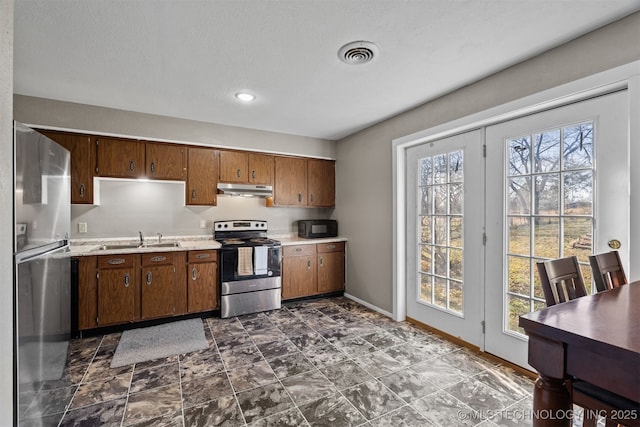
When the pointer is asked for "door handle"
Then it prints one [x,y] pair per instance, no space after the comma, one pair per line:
[126,280]
[194,274]
[149,277]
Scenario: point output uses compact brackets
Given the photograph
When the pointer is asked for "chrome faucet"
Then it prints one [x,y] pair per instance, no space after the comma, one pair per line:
[141,238]
[159,237]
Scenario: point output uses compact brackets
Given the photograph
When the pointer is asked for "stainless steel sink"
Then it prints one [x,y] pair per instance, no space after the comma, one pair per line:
[116,246]
[136,246]
[161,245]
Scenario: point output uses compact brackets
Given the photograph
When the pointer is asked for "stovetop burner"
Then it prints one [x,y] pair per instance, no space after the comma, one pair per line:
[242,233]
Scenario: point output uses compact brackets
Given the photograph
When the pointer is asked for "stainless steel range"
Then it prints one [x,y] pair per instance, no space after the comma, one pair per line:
[249,268]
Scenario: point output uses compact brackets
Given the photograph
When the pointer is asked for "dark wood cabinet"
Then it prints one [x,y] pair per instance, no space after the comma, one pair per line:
[234,166]
[312,269]
[117,289]
[261,168]
[202,281]
[161,284]
[166,161]
[299,271]
[202,176]
[82,163]
[330,267]
[321,183]
[120,158]
[290,181]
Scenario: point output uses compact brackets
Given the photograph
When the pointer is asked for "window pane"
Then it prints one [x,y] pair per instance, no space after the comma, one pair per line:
[455,231]
[440,292]
[577,238]
[440,230]
[547,200]
[578,193]
[519,275]
[440,169]
[425,258]
[456,299]
[537,286]
[426,171]
[519,236]
[455,167]
[440,199]
[426,201]
[520,156]
[520,196]
[546,237]
[586,276]
[425,288]
[578,146]
[517,307]
[546,152]
[455,197]
[425,230]
[440,261]
[455,264]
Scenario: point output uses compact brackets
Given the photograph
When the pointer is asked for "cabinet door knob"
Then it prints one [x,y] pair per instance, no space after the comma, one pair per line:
[153,167]
[193,194]
[253,174]
[238,172]
[126,280]
[149,277]
[311,197]
[81,190]
[321,261]
[194,273]
[299,197]
[308,264]
[132,165]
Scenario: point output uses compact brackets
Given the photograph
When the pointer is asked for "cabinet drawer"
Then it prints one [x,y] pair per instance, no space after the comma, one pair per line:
[203,256]
[116,261]
[298,250]
[157,258]
[331,247]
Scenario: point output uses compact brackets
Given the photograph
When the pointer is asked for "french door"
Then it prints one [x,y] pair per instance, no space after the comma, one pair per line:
[557,185]
[445,217]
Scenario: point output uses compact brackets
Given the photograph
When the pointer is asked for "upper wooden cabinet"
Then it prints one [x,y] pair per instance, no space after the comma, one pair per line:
[321,183]
[304,182]
[290,182]
[166,161]
[244,167]
[120,158]
[261,168]
[202,176]
[82,163]
[125,158]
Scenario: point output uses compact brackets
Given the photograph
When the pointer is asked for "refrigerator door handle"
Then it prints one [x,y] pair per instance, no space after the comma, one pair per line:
[28,254]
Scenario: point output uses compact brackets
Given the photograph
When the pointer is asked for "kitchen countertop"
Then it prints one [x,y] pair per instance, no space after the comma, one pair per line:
[90,247]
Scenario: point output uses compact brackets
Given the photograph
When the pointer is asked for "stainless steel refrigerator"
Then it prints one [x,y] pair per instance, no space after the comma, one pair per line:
[42,308]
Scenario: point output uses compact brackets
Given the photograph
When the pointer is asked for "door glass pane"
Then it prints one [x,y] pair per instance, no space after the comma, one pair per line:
[549,193]
[441,181]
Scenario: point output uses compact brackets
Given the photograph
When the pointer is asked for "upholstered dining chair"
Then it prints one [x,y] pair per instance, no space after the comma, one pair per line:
[562,281]
[607,269]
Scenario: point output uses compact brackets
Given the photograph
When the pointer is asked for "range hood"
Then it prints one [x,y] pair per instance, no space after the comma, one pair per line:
[245,190]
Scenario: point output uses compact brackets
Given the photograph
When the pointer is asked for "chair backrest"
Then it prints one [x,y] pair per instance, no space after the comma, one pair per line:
[561,280]
[607,269]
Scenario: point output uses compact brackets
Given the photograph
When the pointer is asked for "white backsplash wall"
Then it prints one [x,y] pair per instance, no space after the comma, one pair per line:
[129,206]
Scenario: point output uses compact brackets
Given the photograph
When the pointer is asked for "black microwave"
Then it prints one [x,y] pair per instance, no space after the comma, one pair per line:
[317,228]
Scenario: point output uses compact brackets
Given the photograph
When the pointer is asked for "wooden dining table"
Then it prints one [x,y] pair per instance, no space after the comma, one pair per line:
[595,338]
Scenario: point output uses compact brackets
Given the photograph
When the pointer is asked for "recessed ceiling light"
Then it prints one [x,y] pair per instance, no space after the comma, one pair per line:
[245,97]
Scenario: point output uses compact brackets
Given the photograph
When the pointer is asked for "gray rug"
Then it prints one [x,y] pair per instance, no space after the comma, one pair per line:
[155,342]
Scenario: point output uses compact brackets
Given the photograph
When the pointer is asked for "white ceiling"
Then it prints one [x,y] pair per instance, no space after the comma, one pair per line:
[186,59]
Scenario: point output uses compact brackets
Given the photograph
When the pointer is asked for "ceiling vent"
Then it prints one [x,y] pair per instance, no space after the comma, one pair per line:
[359,52]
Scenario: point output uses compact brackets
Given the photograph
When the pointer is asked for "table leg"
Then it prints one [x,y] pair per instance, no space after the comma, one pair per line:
[551,403]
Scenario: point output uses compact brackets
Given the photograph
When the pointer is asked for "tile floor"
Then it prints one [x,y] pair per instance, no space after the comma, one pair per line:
[327,362]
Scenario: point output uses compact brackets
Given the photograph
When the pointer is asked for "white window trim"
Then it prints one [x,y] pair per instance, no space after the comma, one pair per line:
[626,76]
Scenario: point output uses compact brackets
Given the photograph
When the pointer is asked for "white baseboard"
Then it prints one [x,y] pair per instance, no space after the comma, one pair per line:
[369,305]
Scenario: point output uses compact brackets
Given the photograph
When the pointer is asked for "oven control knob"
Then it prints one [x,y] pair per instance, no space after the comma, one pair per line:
[269,273]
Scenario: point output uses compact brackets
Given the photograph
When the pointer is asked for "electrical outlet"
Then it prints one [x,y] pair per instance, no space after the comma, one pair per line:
[82,227]
[203,223]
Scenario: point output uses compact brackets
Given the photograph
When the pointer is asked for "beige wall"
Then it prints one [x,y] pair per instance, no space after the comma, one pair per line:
[6,212]
[364,182]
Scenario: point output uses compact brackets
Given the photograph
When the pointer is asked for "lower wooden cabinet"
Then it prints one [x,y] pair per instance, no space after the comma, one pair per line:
[312,269]
[202,281]
[116,289]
